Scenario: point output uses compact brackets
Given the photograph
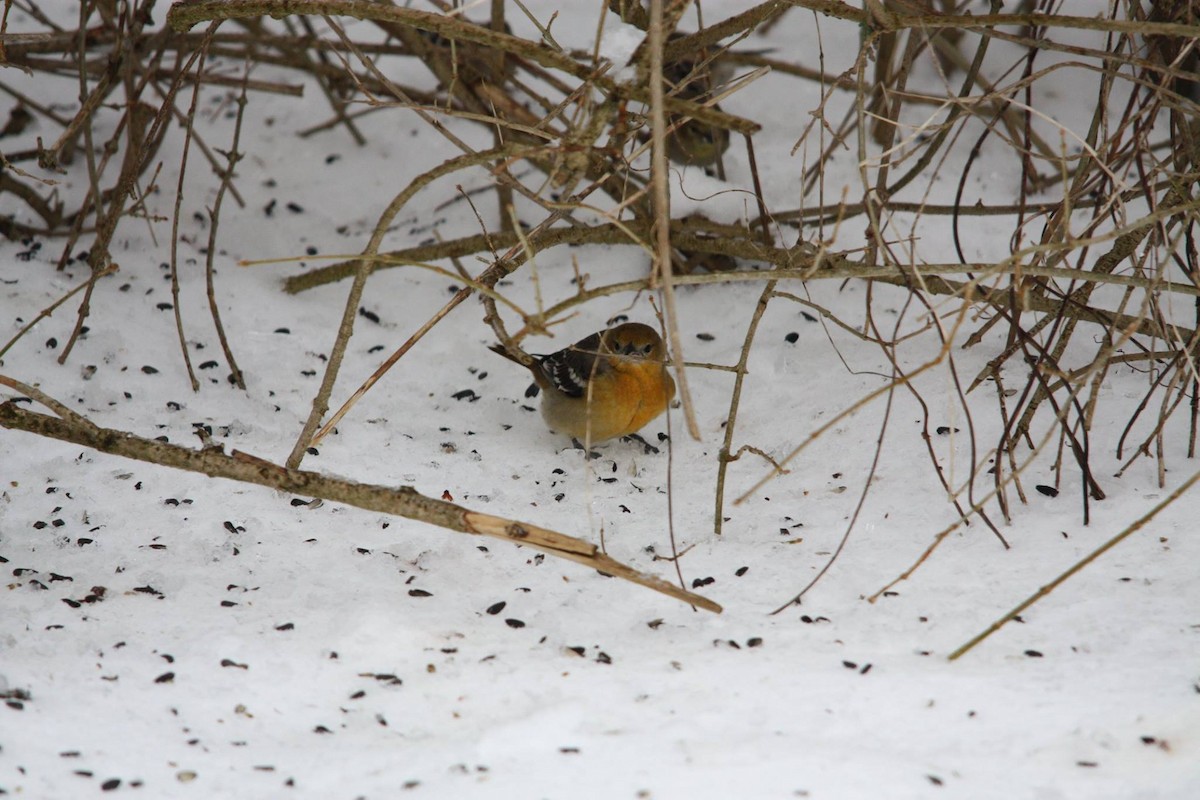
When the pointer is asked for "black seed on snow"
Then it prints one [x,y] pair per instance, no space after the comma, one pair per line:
[312,451]
[792,338]
[603,658]
[149,370]
[866,668]
[164,306]
[228,603]
[466,394]
[296,501]
[371,315]
[375,349]
[934,779]
[284,331]
[229,526]
[166,677]
[51,343]
[419,593]
[174,406]
[359,695]
[1033,654]
[310,250]
[754,641]
[209,365]
[321,729]
[496,608]
[741,571]
[58,523]
[110,784]
[1049,491]
[849,665]
[39,525]
[514,623]
[808,317]
[705,337]
[295,208]
[83,542]
[287,626]
[558,497]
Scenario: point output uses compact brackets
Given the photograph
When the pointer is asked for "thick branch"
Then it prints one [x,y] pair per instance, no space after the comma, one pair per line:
[403,501]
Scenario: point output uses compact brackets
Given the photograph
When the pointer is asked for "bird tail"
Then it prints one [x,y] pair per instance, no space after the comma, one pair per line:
[527,362]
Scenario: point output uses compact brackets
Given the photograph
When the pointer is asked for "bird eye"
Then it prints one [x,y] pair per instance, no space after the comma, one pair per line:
[647,348]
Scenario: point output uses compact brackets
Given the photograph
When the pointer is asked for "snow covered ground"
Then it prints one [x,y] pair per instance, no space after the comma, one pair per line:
[167,635]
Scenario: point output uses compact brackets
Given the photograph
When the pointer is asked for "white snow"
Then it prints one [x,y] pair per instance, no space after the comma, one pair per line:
[246,647]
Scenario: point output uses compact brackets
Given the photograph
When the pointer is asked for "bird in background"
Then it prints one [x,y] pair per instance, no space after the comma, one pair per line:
[606,385]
